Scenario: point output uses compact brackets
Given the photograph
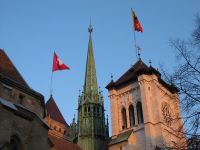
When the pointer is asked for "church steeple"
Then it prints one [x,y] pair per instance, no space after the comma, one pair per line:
[90,85]
[92,129]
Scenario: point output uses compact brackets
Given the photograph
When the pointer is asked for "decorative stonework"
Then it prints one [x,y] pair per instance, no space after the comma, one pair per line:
[167,113]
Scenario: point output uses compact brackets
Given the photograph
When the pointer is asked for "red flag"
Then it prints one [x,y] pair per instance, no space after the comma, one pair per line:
[58,64]
[136,23]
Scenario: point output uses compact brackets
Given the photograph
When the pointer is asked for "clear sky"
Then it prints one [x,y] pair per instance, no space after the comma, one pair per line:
[30,30]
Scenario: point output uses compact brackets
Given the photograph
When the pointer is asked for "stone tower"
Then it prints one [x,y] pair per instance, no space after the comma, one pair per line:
[144,110]
[92,130]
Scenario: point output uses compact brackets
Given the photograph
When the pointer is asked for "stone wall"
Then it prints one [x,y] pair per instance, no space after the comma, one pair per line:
[30,130]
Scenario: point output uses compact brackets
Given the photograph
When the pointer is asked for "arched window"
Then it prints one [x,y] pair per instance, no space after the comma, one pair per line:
[131,116]
[124,120]
[97,110]
[55,128]
[15,143]
[139,113]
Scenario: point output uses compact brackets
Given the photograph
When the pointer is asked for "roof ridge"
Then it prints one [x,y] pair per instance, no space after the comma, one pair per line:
[8,69]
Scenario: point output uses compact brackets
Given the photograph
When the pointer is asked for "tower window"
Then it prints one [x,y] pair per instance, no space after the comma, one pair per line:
[124,120]
[55,128]
[85,110]
[21,98]
[131,115]
[89,109]
[139,113]
[97,110]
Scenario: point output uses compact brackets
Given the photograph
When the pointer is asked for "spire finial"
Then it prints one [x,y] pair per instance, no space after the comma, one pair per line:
[138,50]
[90,29]
[79,92]
[74,119]
[150,62]
[111,77]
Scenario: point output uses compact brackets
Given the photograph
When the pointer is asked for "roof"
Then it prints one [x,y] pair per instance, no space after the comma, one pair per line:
[136,70]
[121,137]
[63,144]
[8,69]
[54,112]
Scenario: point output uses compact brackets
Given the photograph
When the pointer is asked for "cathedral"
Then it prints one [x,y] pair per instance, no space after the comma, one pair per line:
[143,109]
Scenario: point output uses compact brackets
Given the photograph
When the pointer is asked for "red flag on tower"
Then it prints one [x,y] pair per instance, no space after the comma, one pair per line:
[58,64]
[136,23]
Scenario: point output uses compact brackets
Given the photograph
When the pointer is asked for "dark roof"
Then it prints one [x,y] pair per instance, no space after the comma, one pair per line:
[121,137]
[54,112]
[136,70]
[63,144]
[8,69]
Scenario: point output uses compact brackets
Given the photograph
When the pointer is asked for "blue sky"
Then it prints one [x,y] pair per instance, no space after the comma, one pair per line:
[31,30]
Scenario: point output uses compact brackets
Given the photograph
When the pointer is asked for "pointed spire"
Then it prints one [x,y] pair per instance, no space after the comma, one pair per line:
[90,86]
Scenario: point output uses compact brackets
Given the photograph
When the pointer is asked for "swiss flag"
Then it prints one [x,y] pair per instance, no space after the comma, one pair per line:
[58,64]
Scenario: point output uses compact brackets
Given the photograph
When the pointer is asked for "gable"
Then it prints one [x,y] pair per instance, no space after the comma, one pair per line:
[8,70]
[54,112]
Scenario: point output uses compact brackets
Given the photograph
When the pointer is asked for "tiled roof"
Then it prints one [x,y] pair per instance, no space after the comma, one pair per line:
[54,112]
[8,69]
[121,137]
[137,69]
[62,144]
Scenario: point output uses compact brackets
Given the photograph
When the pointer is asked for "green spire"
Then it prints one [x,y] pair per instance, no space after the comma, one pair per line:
[91,119]
[90,85]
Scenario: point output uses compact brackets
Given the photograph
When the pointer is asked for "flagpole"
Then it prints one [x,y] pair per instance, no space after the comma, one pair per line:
[51,82]
[139,28]
[135,44]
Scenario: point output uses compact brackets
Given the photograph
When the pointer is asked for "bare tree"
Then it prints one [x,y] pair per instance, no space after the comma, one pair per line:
[186,77]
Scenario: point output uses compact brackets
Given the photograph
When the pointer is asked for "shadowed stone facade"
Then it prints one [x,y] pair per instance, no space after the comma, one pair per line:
[21,111]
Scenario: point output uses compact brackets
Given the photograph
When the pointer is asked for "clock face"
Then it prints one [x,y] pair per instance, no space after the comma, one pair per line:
[167,113]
